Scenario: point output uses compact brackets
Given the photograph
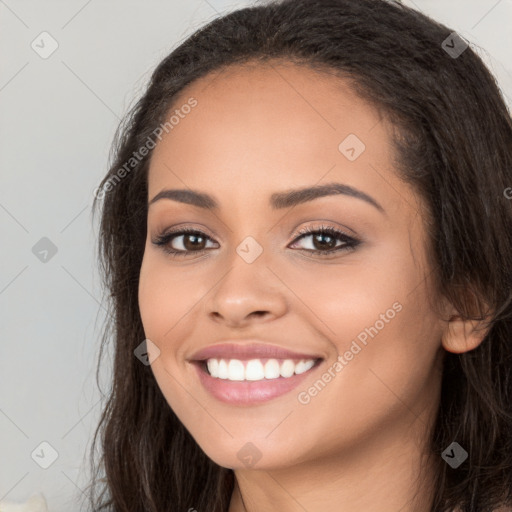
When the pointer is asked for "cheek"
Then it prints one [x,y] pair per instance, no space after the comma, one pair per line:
[378,321]
[170,298]
[165,296]
[343,299]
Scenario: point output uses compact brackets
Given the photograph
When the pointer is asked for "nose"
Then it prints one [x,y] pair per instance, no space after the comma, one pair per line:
[248,293]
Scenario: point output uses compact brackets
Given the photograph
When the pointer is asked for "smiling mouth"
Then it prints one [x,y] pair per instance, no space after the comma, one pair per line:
[244,382]
[256,369]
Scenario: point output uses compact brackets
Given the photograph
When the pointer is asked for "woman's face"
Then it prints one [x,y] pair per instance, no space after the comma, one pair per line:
[256,136]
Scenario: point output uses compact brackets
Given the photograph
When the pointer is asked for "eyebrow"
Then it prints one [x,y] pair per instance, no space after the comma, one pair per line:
[278,200]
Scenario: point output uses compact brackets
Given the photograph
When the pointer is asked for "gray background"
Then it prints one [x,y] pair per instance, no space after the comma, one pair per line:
[58,117]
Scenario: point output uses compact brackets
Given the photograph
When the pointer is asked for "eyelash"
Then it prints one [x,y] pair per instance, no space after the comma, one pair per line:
[163,240]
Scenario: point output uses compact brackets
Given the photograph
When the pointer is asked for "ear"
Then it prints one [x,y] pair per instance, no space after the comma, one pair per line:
[463,335]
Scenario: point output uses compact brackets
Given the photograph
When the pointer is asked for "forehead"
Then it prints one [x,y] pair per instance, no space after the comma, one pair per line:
[271,127]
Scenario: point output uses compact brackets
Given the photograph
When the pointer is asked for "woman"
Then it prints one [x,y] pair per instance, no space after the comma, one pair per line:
[306,235]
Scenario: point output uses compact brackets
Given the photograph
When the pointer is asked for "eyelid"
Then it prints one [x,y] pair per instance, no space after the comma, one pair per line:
[185,226]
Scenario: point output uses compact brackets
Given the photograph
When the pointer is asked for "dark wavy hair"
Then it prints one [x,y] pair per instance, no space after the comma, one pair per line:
[453,144]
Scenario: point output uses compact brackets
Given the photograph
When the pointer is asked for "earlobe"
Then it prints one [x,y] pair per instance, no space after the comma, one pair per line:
[463,335]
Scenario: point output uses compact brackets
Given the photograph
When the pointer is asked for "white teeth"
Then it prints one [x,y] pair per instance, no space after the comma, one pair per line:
[213,366]
[223,370]
[287,368]
[234,369]
[254,370]
[304,366]
[272,369]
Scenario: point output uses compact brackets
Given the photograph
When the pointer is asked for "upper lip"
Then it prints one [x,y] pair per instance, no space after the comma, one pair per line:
[254,350]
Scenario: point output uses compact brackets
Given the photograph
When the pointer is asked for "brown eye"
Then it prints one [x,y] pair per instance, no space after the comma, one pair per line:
[183,242]
[325,240]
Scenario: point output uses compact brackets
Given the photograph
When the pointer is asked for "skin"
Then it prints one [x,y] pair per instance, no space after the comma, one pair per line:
[358,444]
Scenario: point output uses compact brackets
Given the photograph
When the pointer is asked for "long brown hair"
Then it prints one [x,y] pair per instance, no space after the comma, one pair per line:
[453,144]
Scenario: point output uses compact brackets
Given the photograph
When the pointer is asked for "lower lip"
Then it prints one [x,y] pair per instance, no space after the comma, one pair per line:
[250,392]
